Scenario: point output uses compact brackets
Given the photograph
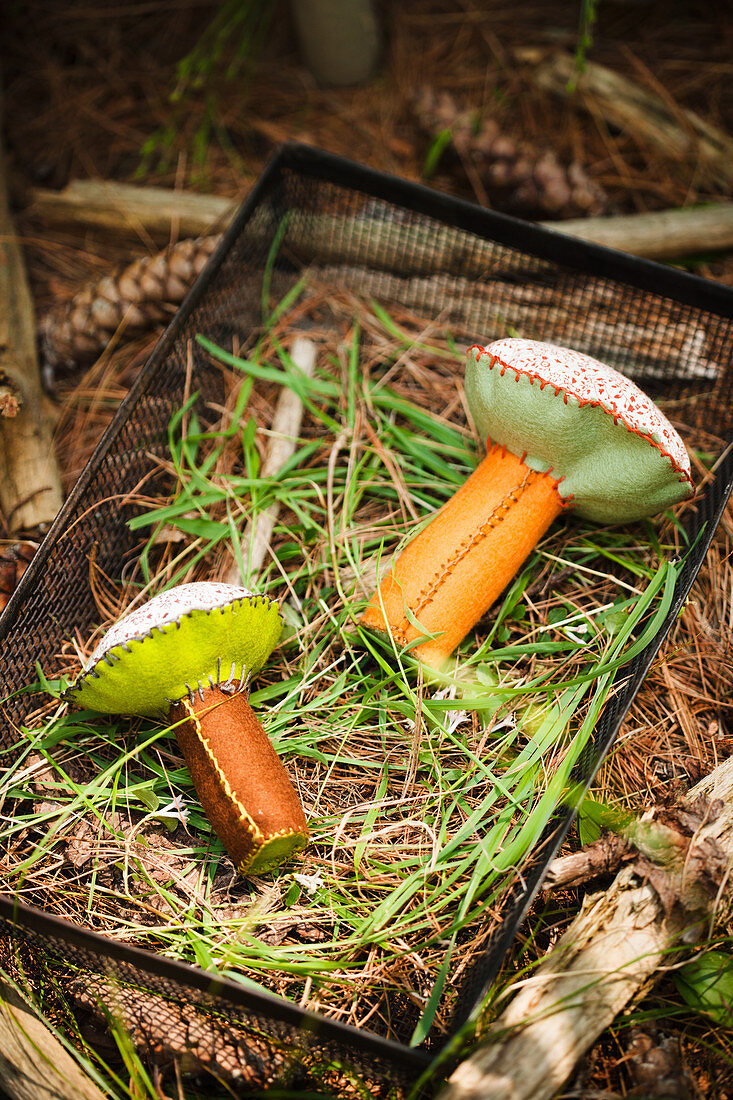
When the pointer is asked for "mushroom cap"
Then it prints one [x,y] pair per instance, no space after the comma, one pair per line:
[205,633]
[617,456]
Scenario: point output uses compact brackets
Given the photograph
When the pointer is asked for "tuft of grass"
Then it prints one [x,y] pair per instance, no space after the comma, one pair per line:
[586,25]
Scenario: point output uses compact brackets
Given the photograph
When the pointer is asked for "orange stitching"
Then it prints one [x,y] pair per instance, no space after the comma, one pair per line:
[594,404]
[499,513]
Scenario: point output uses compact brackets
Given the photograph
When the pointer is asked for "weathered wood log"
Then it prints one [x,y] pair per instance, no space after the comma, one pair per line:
[676,133]
[607,957]
[661,235]
[131,211]
[30,483]
[34,1065]
[159,214]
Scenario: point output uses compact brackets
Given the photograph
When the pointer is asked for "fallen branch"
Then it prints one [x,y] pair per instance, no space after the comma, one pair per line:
[646,836]
[607,956]
[602,858]
[30,483]
[128,210]
[678,134]
[661,235]
[283,438]
[161,214]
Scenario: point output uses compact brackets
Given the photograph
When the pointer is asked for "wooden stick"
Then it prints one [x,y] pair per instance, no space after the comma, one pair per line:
[34,1065]
[601,858]
[605,959]
[30,483]
[677,133]
[156,212]
[662,235]
[142,212]
[283,438]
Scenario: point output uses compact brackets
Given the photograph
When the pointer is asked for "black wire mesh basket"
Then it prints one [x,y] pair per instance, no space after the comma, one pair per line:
[407,244]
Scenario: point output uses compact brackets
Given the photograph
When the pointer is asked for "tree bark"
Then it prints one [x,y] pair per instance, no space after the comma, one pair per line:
[30,483]
[601,858]
[605,959]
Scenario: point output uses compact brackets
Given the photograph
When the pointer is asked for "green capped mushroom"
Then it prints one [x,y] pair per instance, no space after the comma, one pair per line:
[188,656]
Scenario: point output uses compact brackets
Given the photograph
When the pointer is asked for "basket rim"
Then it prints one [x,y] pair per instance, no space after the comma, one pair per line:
[534,238]
[22,915]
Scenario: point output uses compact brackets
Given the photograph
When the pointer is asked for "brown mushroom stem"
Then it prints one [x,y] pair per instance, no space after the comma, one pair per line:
[485,531]
[243,787]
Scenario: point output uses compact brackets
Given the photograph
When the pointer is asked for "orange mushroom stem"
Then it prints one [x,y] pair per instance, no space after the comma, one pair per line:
[454,570]
[555,416]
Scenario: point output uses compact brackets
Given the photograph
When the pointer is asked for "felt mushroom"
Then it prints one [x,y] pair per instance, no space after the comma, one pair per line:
[563,431]
[188,655]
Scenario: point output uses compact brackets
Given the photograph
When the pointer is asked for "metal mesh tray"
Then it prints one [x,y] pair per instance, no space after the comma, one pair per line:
[404,243]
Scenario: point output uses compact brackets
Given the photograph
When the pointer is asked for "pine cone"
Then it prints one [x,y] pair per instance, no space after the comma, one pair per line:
[9,396]
[519,176]
[14,560]
[143,294]
[656,1066]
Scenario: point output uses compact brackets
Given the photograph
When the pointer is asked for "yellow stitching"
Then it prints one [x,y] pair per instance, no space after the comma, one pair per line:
[259,839]
[243,815]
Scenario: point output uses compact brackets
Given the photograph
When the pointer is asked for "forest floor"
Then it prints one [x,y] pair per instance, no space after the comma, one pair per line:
[88,95]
